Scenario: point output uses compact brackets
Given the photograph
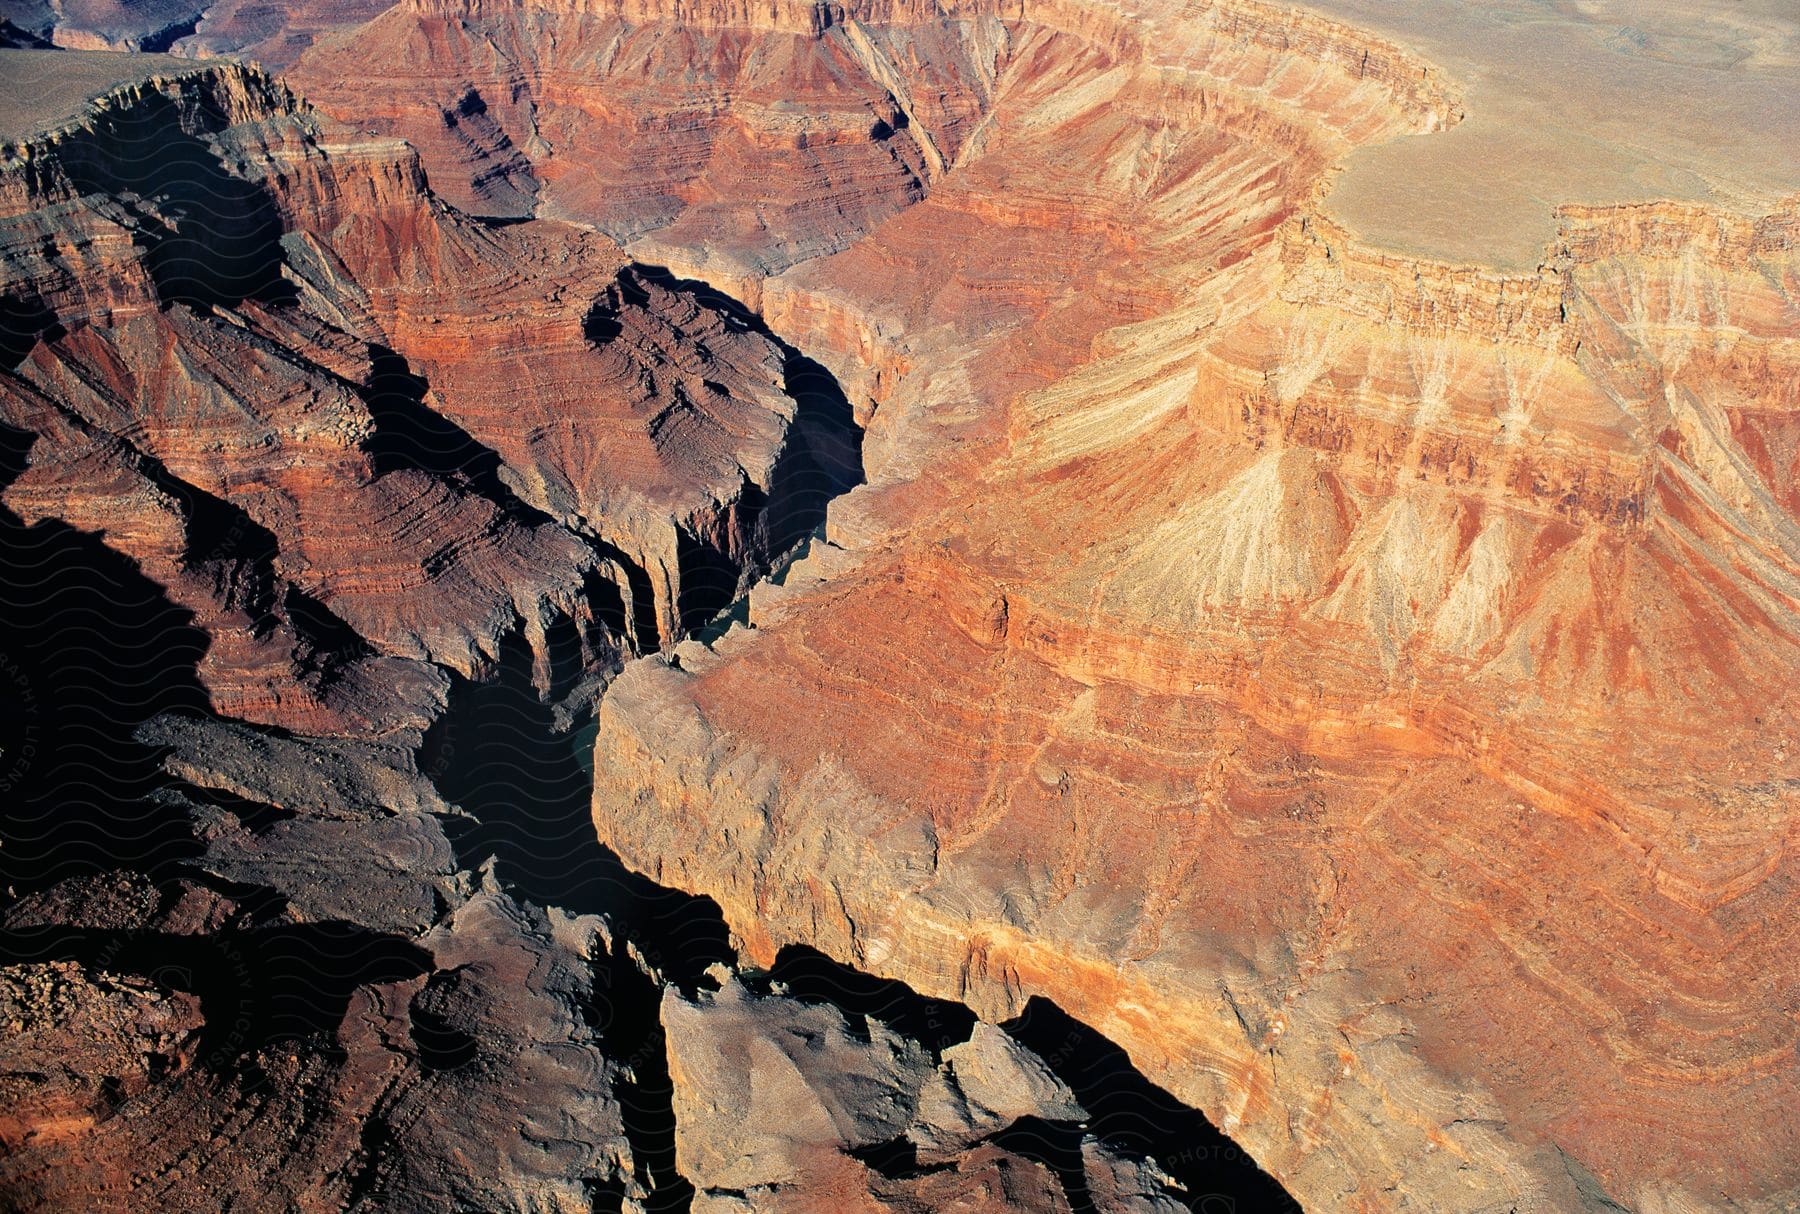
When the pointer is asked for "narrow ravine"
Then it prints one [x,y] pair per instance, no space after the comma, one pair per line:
[521,770]
[388,964]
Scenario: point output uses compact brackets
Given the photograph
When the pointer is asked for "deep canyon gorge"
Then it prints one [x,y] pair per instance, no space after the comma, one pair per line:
[877,605]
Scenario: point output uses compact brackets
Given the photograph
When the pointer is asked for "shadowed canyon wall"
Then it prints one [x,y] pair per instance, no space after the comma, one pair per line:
[326,512]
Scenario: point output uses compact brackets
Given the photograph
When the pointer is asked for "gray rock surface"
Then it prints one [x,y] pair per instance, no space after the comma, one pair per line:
[783,1105]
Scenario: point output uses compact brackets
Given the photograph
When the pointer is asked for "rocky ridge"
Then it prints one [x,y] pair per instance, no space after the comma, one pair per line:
[301,436]
[1356,683]
[327,508]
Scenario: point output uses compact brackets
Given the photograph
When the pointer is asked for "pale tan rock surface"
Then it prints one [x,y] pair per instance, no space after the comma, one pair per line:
[781,1105]
[1603,101]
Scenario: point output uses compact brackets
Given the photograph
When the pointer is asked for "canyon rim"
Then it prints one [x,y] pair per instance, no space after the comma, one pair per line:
[872,605]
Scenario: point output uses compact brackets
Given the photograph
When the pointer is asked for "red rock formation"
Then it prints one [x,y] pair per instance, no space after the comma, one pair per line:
[431,1088]
[1359,686]
[126,1034]
[1353,683]
[1366,707]
[331,414]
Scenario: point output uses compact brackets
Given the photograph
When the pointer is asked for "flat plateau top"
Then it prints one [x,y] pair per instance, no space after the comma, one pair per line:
[41,90]
[1576,101]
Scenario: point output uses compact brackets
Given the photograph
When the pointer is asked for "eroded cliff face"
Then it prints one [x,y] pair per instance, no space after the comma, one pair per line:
[1359,686]
[326,508]
[1356,684]
[798,127]
[271,35]
[360,435]
[1376,724]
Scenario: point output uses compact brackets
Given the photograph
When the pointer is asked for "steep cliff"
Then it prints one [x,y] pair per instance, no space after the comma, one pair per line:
[1356,684]
[349,427]
[326,508]
[1348,710]
[1359,686]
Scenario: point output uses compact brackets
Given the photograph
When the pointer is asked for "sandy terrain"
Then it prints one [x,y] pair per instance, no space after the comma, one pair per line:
[1585,101]
[41,89]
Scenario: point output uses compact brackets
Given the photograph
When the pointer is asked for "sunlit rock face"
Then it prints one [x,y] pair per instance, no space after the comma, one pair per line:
[1357,684]
[782,1105]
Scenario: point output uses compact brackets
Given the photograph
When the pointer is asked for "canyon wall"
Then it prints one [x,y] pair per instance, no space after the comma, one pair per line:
[324,509]
[354,429]
[1355,684]
[1359,686]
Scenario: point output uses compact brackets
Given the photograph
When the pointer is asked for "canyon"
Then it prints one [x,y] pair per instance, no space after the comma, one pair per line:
[966,575]
[328,509]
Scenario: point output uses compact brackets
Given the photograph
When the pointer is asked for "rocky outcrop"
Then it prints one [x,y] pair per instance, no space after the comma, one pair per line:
[805,125]
[353,1022]
[123,1033]
[270,36]
[315,487]
[326,1004]
[1288,614]
[1356,685]
[286,380]
[107,25]
[781,1105]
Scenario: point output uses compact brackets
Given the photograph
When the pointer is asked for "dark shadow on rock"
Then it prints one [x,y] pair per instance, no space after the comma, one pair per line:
[1056,1145]
[896,1159]
[256,986]
[159,41]
[210,237]
[25,320]
[628,1016]
[1137,1118]
[90,648]
[408,433]
[497,754]
[812,977]
[12,37]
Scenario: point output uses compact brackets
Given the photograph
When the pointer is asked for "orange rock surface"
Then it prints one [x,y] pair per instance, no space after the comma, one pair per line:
[1360,686]
[358,434]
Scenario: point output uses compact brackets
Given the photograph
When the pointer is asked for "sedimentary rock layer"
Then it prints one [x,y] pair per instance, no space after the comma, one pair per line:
[1355,683]
[1358,685]
[351,428]
[326,509]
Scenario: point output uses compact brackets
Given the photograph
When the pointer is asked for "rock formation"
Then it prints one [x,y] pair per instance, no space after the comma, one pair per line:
[314,486]
[1357,685]
[294,428]
[783,1106]
[1354,683]
[273,35]
[353,1022]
